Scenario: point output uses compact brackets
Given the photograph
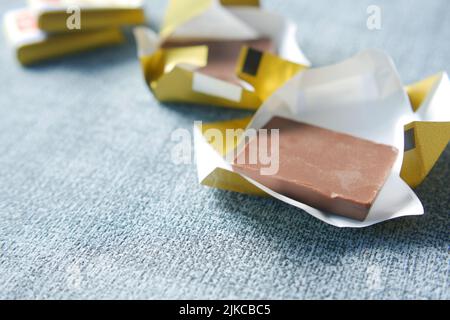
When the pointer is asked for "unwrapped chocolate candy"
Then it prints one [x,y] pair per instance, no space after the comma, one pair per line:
[325,169]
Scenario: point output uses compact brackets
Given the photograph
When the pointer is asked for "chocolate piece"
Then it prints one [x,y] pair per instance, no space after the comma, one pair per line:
[223,55]
[327,170]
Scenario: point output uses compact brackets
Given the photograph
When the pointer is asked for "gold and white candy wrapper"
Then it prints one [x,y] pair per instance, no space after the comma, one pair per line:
[171,73]
[362,96]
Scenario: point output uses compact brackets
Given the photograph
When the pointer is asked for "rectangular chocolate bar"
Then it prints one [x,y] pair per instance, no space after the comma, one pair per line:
[327,170]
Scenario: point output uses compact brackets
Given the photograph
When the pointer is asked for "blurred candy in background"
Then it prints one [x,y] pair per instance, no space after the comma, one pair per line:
[51,28]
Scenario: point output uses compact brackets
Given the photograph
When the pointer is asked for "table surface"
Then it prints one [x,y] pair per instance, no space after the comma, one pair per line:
[91,205]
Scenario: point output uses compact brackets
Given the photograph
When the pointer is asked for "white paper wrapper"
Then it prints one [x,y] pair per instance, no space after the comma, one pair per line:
[243,23]
[276,27]
[216,22]
[362,96]
[20,27]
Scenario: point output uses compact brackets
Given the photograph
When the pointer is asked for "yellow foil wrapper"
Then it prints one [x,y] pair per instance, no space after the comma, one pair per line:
[349,97]
[32,45]
[52,16]
[173,73]
[426,140]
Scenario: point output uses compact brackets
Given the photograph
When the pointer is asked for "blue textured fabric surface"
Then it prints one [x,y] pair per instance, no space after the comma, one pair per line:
[92,207]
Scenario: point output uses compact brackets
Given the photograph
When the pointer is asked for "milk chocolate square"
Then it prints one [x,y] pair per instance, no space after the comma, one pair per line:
[325,169]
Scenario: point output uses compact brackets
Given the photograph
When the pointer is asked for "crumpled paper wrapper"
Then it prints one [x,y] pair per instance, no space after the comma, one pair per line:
[174,74]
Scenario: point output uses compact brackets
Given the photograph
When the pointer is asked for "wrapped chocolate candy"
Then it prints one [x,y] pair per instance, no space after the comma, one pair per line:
[33,45]
[195,56]
[54,15]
